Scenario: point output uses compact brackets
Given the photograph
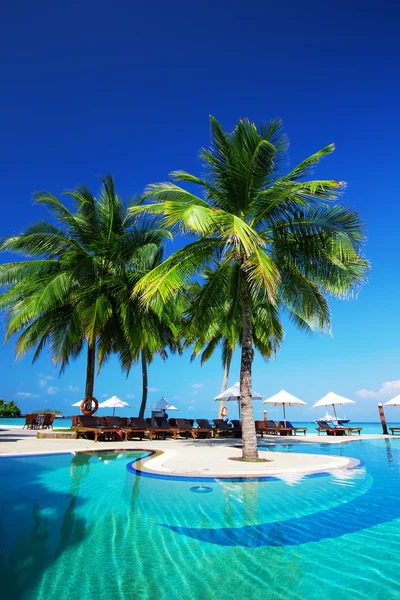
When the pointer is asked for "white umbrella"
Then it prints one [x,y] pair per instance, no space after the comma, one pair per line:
[77,403]
[114,402]
[331,399]
[233,393]
[283,398]
[394,401]
[162,404]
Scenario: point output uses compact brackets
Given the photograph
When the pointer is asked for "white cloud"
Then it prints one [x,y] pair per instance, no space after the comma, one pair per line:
[192,401]
[44,380]
[73,388]
[197,385]
[130,396]
[195,392]
[153,390]
[104,396]
[52,389]
[27,395]
[191,408]
[386,391]
[176,398]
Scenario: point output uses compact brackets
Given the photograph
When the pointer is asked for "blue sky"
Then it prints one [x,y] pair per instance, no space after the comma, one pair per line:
[126,88]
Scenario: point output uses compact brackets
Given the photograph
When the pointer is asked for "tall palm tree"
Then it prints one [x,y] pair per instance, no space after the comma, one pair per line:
[289,239]
[68,292]
[225,326]
[145,333]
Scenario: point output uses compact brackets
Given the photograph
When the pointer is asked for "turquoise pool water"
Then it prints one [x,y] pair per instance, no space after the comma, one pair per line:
[86,527]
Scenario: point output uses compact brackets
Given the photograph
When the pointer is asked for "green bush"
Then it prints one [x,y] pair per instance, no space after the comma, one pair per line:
[9,409]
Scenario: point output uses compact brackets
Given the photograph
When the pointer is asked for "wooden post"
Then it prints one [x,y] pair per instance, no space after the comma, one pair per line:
[383,419]
[265,415]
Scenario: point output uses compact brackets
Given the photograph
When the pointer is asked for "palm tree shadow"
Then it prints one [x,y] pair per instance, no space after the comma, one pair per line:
[25,558]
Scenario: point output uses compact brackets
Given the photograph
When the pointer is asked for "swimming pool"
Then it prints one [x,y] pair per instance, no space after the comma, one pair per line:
[86,527]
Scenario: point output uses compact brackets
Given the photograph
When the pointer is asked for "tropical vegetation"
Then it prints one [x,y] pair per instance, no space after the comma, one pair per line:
[9,409]
[287,240]
[75,288]
[261,243]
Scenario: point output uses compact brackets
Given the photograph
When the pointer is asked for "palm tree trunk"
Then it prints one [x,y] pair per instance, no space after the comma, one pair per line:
[249,451]
[144,388]
[91,357]
[227,367]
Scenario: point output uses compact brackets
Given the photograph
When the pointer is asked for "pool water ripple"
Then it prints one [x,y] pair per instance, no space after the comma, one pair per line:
[84,527]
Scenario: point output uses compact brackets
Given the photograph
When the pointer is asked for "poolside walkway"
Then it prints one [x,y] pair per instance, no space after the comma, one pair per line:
[200,458]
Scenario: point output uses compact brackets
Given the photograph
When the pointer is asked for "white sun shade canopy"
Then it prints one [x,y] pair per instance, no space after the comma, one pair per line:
[162,404]
[332,399]
[233,393]
[114,402]
[394,401]
[284,398]
[77,403]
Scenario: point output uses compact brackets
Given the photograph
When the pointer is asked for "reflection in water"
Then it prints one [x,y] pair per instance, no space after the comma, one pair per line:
[80,469]
[135,492]
[389,453]
[30,551]
[250,501]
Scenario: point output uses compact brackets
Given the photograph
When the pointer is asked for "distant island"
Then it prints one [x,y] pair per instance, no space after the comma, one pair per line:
[58,413]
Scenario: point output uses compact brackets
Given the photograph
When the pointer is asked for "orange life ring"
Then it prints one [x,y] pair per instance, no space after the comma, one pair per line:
[224,411]
[84,405]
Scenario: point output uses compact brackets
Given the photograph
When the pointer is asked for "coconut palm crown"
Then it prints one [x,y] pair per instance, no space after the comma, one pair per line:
[75,288]
[290,240]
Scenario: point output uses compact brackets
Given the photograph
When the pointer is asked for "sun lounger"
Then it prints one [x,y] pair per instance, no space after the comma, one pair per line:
[31,421]
[222,427]
[114,422]
[89,424]
[137,428]
[394,430]
[330,429]
[236,427]
[267,427]
[260,427]
[271,426]
[205,427]
[185,427]
[48,421]
[204,423]
[337,430]
[288,425]
[162,427]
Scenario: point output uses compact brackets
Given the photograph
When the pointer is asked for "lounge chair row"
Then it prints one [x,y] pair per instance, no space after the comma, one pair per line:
[286,428]
[135,427]
[159,428]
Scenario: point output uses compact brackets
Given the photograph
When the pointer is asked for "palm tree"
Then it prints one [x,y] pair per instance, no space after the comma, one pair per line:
[225,326]
[68,292]
[292,244]
[143,333]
